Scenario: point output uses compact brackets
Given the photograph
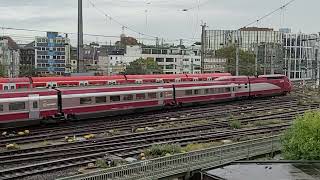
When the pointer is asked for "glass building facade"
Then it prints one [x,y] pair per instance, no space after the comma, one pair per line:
[263,42]
[279,52]
[301,55]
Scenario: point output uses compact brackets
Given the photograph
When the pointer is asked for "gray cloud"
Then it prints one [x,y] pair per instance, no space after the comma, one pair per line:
[165,18]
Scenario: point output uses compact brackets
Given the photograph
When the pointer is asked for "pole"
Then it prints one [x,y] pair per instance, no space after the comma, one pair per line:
[256,59]
[265,60]
[80,36]
[237,55]
[317,60]
[272,60]
[203,27]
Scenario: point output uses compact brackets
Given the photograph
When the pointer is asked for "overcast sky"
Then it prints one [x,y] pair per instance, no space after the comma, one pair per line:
[163,18]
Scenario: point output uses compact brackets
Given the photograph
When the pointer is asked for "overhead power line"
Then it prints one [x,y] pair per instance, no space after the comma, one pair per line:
[270,13]
[119,23]
[259,19]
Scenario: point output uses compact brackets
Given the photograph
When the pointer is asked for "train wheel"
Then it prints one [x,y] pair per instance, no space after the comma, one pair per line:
[72,117]
[48,120]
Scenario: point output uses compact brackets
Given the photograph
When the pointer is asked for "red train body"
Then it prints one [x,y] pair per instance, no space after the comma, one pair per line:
[81,103]
[7,84]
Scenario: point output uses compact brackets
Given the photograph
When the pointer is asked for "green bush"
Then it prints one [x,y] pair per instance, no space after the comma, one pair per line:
[302,140]
[160,150]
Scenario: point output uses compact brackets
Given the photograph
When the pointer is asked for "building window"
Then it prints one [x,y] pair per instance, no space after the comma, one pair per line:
[101,99]
[17,106]
[159,59]
[86,100]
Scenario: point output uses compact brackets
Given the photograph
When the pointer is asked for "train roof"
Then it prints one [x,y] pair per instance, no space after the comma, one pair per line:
[14,80]
[160,76]
[271,75]
[209,75]
[77,78]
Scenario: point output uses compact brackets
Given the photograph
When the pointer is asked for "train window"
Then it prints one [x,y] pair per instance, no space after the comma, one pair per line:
[6,88]
[196,91]
[114,98]
[168,94]
[140,96]
[86,100]
[206,91]
[188,92]
[275,78]
[128,97]
[212,91]
[17,106]
[35,105]
[152,95]
[101,99]
[1,107]
[11,87]
[228,89]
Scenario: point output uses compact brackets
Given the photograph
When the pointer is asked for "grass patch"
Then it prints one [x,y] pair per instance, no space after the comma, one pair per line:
[199,146]
[160,150]
[235,124]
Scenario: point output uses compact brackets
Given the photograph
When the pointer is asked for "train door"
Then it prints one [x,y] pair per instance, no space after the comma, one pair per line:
[34,109]
[233,90]
[160,96]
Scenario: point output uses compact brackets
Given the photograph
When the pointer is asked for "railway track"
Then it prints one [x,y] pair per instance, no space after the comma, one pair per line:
[126,151]
[148,120]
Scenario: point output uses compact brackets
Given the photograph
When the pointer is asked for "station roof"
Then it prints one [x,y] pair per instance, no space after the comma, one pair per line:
[305,171]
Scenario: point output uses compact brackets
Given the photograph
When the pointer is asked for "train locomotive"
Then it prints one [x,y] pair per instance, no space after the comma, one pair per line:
[75,103]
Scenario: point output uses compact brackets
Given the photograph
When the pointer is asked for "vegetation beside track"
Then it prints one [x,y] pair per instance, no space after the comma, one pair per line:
[302,140]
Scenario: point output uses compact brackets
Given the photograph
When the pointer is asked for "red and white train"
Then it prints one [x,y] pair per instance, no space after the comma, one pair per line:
[7,84]
[33,105]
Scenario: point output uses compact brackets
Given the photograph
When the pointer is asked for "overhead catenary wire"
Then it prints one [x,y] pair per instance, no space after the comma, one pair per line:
[119,23]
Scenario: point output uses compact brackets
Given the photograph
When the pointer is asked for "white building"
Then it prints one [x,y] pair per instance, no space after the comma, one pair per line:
[172,60]
[9,56]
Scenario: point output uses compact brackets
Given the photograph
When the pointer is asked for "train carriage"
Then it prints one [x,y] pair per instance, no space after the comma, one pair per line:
[81,103]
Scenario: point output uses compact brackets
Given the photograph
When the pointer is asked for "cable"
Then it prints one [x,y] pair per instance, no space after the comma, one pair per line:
[119,23]
[270,13]
[259,19]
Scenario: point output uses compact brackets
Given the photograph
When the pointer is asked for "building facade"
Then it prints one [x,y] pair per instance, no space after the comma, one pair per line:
[51,54]
[175,60]
[301,55]
[9,57]
[27,60]
[264,43]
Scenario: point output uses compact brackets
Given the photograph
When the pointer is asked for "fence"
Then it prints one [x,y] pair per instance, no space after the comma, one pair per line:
[186,162]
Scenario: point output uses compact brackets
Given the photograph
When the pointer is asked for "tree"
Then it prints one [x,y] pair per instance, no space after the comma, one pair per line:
[246,60]
[143,66]
[27,70]
[2,70]
[302,140]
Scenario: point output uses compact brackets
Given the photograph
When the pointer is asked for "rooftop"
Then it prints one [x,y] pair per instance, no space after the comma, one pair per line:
[285,171]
